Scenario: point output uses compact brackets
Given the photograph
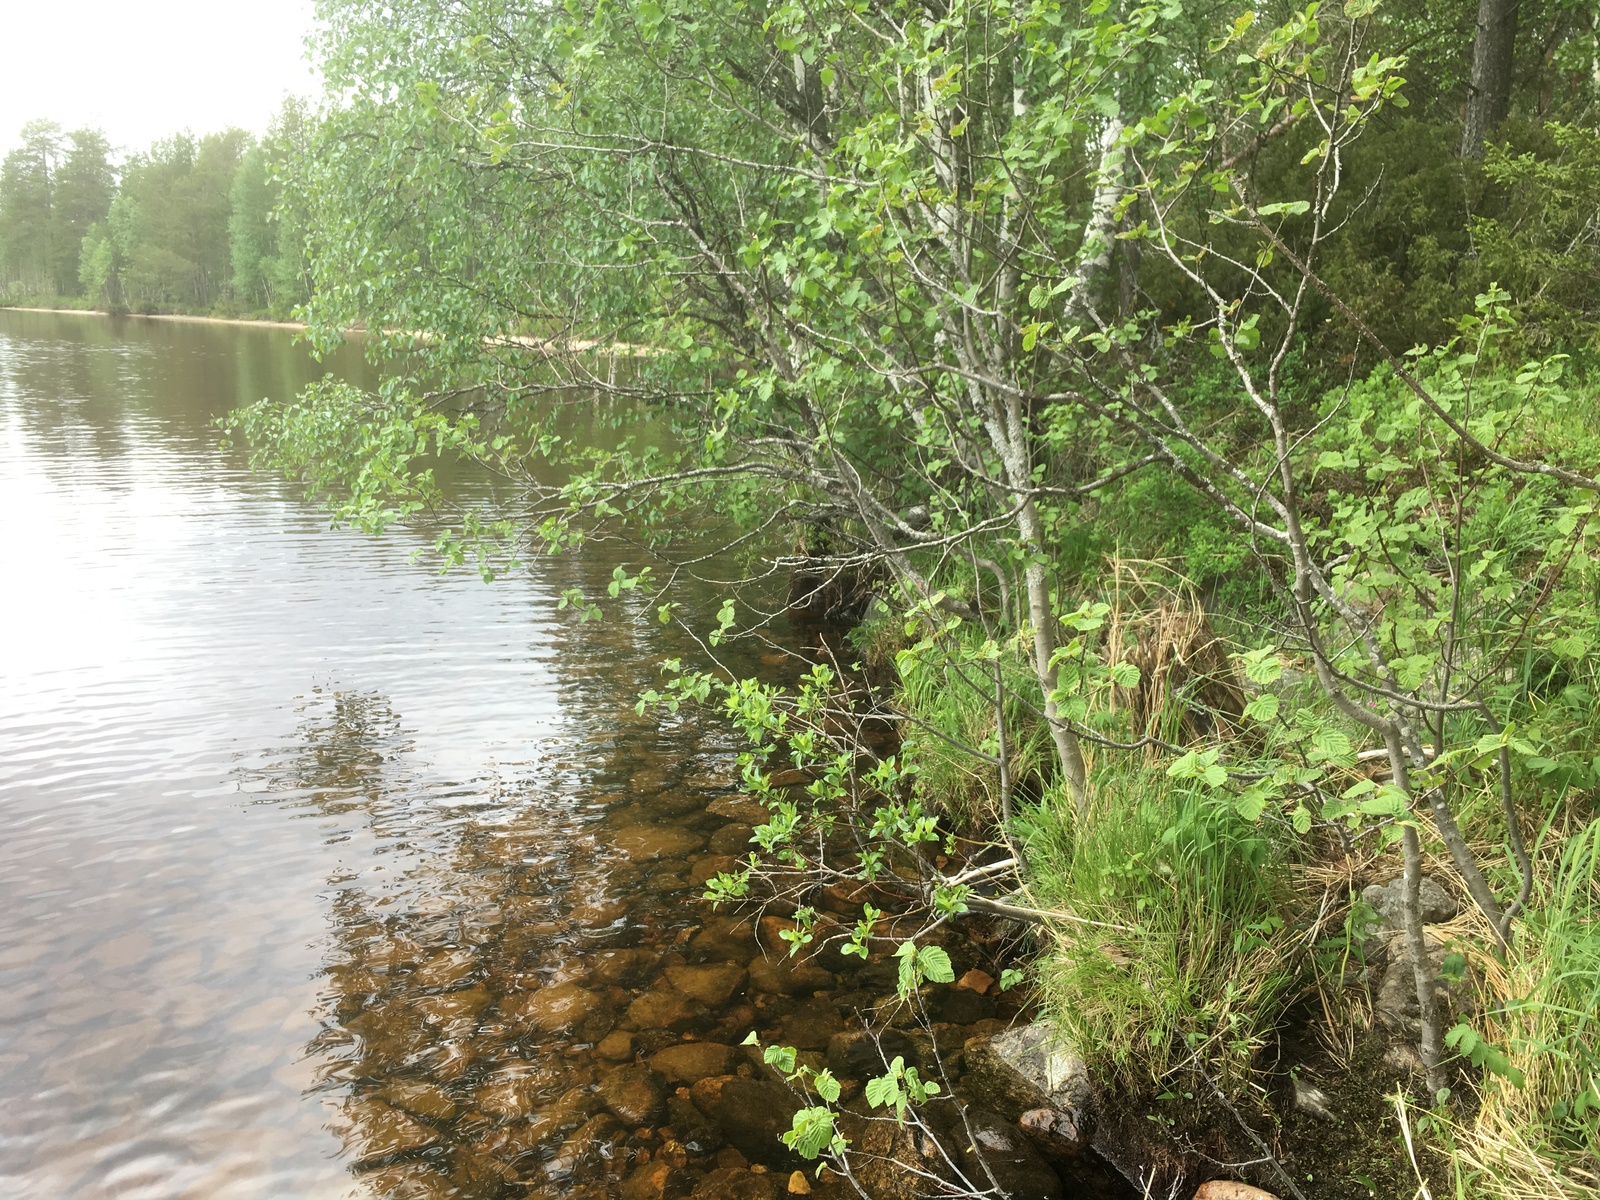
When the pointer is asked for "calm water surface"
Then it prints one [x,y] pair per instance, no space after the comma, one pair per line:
[289,821]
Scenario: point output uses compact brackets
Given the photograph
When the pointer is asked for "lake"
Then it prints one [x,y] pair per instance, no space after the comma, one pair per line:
[291,819]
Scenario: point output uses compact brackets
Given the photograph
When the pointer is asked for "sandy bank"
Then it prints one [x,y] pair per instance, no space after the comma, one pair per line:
[95,312]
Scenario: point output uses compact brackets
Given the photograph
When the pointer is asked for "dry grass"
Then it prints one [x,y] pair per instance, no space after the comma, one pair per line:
[1189,689]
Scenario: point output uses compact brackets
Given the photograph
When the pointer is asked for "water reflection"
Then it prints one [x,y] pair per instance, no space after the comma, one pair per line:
[269,787]
[470,994]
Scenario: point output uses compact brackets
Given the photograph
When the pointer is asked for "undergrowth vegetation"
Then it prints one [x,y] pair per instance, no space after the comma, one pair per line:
[1194,409]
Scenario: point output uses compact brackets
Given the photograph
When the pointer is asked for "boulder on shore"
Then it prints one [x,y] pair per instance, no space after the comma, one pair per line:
[1026,1068]
[1219,1189]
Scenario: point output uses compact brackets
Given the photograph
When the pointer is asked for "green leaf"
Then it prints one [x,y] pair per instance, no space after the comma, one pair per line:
[935,964]
[885,1089]
[1263,708]
[1262,666]
[1124,675]
[811,1132]
[782,1057]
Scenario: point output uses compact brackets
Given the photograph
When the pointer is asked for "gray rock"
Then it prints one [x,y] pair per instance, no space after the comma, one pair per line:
[1309,1098]
[1437,904]
[1396,1002]
[1026,1068]
[994,1153]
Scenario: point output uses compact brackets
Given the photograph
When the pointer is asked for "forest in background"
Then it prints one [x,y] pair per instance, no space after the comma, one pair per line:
[1191,409]
[193,224]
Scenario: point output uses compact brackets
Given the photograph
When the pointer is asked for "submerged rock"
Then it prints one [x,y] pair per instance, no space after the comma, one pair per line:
[642,842]
[745,809]
[731,839]
[512,1093]
[754,1115]
[409,1181]
[621,968]
[711,983]
[698,1133]
[1060,1134]
[597,911]
[778,974]
[454,1008]
[812,1026]
[724,939]
[707,1092]
[960,1006]
[900,1162]
[856,1053]
[519,1141]
[447,969]
[666,1008]
[655,1181]
[379,1130]
[994,1153]
[735,1183]
[635,1095]
[597,1143]
[710,867]
[474,1173]
[691,1062]
[555,1008]
[427,1100]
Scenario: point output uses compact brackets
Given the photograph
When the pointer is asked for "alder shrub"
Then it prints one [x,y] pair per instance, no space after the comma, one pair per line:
[931,306]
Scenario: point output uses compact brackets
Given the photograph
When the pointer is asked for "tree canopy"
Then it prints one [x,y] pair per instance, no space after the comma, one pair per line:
[1190,404]
[191,224]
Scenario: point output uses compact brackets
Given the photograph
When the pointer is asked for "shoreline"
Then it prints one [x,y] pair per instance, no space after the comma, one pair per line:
[100,312]
[524,340]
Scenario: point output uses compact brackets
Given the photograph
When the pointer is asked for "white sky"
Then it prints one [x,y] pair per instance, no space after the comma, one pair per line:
[144,69]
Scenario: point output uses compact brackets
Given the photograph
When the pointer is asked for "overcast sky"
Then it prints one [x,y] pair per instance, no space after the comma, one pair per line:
[143,69]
